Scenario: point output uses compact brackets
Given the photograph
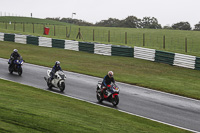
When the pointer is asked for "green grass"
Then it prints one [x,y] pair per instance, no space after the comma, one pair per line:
[174,39]
[30,20]
[28,109]
[163,77]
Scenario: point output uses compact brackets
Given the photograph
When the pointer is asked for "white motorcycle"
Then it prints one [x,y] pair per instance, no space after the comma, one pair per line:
[58,80]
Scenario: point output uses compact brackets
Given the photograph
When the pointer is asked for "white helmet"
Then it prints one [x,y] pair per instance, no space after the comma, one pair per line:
[57,63]
[110,74]
[15,50]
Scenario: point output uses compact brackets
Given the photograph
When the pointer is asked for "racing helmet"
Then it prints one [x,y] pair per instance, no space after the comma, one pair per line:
[15,50]
[110,74]
[57,63]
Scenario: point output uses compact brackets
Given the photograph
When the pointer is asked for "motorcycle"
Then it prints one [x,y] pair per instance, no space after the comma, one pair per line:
[16,66]
[58,80]
[110,95]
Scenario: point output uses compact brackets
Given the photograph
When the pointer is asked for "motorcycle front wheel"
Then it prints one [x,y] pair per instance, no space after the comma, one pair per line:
[99,97]
[115,100]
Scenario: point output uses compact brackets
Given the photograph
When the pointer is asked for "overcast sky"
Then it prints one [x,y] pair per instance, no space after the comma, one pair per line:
[167,12]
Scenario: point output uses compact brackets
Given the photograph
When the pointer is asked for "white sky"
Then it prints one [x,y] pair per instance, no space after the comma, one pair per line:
[167,12]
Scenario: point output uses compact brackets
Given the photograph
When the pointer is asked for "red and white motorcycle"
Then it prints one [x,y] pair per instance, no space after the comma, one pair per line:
[110,94]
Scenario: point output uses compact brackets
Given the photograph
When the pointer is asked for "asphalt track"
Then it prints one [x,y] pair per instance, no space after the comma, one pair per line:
[163,107]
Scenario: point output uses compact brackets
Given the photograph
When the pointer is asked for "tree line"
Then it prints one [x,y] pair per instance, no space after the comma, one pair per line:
[130,22]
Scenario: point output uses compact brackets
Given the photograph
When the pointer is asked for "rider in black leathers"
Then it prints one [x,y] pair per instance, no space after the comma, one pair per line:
[13,57]
[107,80]
[55,68]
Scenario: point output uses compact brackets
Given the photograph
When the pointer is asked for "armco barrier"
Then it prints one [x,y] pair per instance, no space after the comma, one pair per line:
[32,40]
[144,53]
[117,50]
[20,38]
[9,37]
[86,47]
[71,45]
[164,57]
[102,49]
[186,61]
[1,36]
[45,42]
[56,43]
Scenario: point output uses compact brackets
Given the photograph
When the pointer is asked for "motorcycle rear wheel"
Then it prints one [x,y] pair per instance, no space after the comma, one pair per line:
[10,70]
[20,71]
[49,84]
[115,100]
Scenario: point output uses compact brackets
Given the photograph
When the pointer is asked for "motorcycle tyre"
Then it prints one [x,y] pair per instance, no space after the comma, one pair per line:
[10,70]
[115,100]
[98,98]
[62,87]
[49,84]
[20,71]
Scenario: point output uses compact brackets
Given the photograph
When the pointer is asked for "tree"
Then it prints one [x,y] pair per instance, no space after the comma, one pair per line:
[131,22]
[197,26]
[182,26]
[167,27]
[152,23]
[111,22]
[56,19]
[76,21]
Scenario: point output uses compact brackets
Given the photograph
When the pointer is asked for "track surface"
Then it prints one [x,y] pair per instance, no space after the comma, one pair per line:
[164,107]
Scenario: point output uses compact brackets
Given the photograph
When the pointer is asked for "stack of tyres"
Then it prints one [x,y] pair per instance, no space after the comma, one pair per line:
[164,57]
[1,36]
[197,63]
[9,37]
[86,47]
[33,40]
[125,51]
[56,43]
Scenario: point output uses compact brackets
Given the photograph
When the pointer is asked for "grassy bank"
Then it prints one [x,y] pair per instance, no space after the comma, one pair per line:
[149,74]
[27,109]
[175,40]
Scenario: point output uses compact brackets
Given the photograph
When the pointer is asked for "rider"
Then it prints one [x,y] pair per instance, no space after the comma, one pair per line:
[13,56]
[107,80]
[55,68]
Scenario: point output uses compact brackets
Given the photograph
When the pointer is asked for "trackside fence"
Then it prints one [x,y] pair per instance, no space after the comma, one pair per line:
[175,59]
[171,40]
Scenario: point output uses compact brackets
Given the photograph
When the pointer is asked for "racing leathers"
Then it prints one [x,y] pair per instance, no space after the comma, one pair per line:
[106,82]
[14,56]
[54,70]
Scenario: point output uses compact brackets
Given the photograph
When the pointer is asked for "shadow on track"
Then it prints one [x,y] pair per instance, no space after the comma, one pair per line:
[55,90]
[107,104]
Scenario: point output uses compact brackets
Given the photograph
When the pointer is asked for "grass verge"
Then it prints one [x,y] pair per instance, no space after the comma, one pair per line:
[176,41]
[144,73]
[28,109]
